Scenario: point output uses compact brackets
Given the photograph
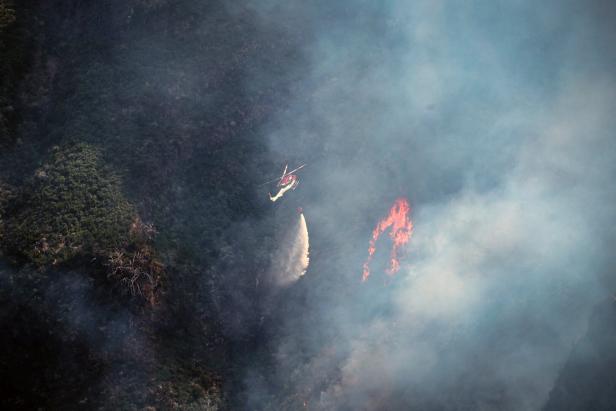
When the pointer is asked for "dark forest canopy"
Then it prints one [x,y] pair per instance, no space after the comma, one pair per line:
[71,206]
[124,156]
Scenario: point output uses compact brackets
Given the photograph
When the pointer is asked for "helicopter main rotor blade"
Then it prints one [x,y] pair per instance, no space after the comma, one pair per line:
[284,174]
[293,171]
[268,182]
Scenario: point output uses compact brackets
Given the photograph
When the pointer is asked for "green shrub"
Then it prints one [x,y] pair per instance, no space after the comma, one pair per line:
[72,206]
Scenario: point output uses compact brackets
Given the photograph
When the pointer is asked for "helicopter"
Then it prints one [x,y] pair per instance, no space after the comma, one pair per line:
[286,182]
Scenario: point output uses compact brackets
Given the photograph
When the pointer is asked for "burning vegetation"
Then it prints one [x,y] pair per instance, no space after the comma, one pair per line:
[400,233]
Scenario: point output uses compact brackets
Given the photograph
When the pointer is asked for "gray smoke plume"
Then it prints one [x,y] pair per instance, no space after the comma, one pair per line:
[496,121]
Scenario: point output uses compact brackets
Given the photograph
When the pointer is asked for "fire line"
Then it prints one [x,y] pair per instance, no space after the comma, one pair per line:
[400,234]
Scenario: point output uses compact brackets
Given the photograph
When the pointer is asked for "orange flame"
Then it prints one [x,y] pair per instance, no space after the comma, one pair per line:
[400,234]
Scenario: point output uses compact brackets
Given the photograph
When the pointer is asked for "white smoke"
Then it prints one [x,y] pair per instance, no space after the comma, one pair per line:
[509,167]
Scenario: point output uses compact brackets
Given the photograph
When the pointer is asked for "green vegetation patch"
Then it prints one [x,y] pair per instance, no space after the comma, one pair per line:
[73,205]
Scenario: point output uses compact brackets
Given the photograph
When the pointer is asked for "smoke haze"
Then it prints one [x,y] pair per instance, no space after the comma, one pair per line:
[495,120]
